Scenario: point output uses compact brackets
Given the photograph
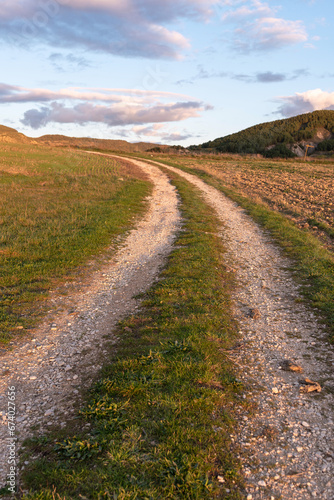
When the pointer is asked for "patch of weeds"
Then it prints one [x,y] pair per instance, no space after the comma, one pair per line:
[176,347]
[77,449]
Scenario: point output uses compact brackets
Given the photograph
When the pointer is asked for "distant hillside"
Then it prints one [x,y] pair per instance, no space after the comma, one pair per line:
[10,135]
[101,144]
[291,134]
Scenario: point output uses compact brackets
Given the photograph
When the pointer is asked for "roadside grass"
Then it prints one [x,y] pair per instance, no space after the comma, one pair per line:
[57,210]
[313,264]
[162,412]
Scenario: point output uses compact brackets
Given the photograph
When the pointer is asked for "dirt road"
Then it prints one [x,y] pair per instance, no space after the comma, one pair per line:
[287,444]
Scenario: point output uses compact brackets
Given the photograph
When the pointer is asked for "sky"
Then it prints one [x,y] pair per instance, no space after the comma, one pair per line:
[172,71]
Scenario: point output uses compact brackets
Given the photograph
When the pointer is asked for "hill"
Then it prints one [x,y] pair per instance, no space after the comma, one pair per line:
[289,135]
[10,135]
[101,144]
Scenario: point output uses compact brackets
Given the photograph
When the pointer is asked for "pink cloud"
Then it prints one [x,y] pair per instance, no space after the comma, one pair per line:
[118,115]
[113,107]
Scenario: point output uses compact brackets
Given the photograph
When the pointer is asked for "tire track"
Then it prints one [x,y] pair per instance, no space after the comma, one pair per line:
[69,348]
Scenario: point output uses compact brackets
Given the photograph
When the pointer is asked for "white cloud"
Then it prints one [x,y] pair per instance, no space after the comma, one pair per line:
[305,102]
[257,28]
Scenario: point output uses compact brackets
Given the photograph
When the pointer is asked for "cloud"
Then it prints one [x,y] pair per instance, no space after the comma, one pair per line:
[68,62]
[261,77]
[151,131]
[270,77]
[202,74]
[306,102]
[16,94]
[113,116]
[112,107]
[159,131]
[176,137]
[131,28]
[257,27]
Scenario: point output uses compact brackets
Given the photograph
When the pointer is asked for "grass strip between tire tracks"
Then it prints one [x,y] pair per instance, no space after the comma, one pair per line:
[162,412]
[312,263]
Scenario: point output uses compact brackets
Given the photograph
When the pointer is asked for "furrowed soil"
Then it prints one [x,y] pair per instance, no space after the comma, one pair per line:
[302,191]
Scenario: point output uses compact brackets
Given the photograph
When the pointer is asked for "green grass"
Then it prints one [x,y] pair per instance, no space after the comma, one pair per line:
[312,263]
[162,412]
[57,210]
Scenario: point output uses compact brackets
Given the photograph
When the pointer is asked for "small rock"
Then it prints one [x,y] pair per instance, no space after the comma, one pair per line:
[262,483]
[275,390]
[254,313]
[305,424]
[221,479]
[290,366]
[308,386]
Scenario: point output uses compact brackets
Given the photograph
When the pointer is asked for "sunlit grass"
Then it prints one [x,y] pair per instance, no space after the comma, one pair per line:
[57,209]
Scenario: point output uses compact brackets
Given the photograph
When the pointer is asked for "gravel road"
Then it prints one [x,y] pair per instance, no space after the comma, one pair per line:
[69,348]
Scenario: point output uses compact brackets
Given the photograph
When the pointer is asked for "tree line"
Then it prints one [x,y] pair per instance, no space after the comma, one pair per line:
[277,135]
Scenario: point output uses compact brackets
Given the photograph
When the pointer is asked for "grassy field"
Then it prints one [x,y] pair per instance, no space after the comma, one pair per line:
[282,196]
[57,209]
[162,412]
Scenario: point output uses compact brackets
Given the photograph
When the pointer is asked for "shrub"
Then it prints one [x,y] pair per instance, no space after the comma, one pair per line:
[279,151]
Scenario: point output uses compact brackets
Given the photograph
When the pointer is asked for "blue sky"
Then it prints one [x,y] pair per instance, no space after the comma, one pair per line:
[174,71]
